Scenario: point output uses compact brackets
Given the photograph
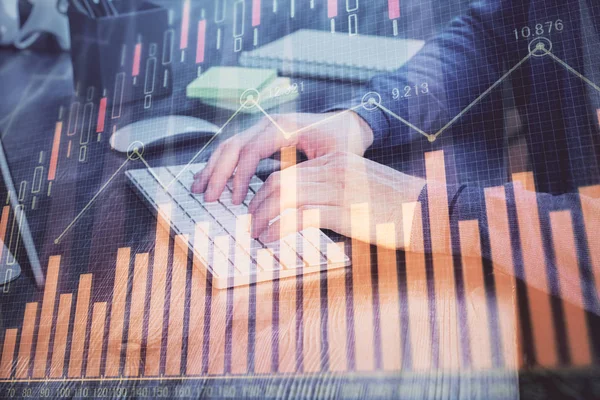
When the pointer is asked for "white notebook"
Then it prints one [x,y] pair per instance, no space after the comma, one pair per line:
[327,55]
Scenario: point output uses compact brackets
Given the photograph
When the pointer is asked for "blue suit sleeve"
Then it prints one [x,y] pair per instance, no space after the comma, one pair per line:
[457,66]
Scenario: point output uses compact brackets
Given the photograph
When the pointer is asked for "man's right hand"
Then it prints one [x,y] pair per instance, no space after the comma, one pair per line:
[314,134]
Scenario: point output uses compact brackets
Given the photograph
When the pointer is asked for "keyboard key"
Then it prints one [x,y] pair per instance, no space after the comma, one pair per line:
[265,260]
[286,254]
[243,246]
[311,246]
[221,264]
[335,254]
[202,242]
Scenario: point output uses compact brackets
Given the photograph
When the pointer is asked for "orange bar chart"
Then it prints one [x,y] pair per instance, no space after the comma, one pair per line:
[311,330]
[157,292]
[263,349]
[311,299]
[8,352]
[60,336]
[287,289]
[443,265]
[196,324]
[239,334]
[197,303]
[117,313]
[592,227]
[293,329]
[475,296]
[80,325]
[337,325]
[502,255]
[362,289]
[535,268]
[46,316]
[416,286]
[565,253]
[242,249]
[22,368]
[96,340]
[389,296]
[218,311]
[241,298]
[287,326]
[136,315]
[177,306]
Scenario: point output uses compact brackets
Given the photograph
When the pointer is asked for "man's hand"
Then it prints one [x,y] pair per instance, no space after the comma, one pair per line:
[313,134]
[335,184]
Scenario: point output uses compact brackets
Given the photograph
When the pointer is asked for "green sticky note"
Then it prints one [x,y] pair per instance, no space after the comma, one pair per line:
[229,82]
[278,92]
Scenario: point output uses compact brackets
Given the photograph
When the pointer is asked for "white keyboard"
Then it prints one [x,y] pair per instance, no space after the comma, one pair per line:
[218,234]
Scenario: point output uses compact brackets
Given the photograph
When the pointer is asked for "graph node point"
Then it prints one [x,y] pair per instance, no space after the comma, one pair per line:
[371,101]
[540,46]
[431,138]
[135,150]
[250,98]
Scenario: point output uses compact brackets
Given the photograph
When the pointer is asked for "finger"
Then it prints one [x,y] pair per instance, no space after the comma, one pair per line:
[201,178]
[303,176]
[246,169]
[309,194]
[242,139]
[269,209]
[320,217]
[264,144]
[227,162]
[271,185]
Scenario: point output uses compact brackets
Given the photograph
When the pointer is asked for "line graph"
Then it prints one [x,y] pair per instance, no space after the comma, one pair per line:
[540,47]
